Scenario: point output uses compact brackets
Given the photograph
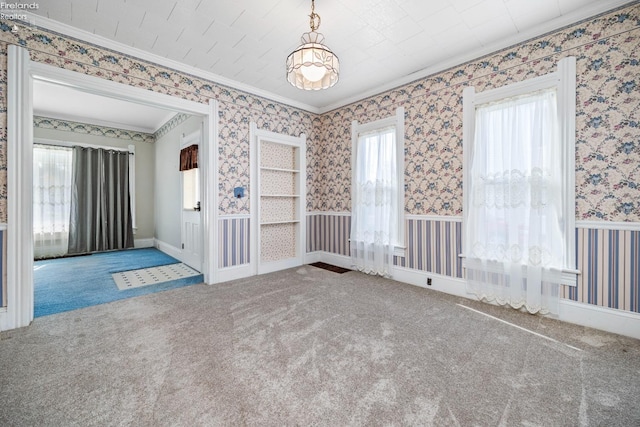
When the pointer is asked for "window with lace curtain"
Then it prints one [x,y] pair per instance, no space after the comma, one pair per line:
[519,202]
[377,199]
[52,172]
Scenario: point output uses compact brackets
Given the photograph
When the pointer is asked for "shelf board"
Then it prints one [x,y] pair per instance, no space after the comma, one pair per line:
[280,195]
[291,221]
[265,168]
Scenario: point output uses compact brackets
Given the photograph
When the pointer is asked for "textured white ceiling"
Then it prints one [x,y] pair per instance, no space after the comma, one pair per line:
[62,102]
[380,43]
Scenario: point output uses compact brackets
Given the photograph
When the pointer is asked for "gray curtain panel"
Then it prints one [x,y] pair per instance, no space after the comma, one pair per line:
[100,204]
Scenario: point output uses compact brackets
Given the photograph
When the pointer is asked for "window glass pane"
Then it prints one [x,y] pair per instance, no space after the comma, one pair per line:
[190,188]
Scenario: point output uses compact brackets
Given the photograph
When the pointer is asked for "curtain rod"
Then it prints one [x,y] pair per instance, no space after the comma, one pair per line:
[55,143]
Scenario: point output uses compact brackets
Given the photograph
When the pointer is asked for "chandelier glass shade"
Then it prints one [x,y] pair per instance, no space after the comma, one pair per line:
[312,65]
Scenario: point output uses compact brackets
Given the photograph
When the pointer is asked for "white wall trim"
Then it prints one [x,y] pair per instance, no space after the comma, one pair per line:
[235,272]
[311,257]
[144,243]
[440,283]
[19,310]
[565,20]
[328,213]
[335,259]
[607,319]
[451,218]
[256,138]
[609,225]
[234,216]
[168,249]
[209,194]
[97,40]
[21,75]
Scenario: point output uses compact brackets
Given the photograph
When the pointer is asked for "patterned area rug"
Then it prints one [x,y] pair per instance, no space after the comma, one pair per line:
[152,276]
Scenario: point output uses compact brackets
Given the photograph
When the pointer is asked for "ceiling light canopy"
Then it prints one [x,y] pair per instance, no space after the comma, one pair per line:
[312,66]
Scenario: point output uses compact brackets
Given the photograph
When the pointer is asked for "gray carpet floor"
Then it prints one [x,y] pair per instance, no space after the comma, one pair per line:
[310,347]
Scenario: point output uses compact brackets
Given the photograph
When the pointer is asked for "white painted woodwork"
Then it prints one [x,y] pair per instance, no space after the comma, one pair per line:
[265,212]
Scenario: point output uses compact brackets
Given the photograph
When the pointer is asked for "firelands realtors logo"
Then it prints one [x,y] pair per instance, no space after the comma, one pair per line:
[16,10]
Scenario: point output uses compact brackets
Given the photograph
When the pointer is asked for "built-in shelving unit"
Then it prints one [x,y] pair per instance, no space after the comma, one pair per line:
[279,203]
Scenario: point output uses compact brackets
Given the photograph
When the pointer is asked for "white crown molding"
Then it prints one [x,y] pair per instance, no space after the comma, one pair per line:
[85,36]
[586,12]
[594,9]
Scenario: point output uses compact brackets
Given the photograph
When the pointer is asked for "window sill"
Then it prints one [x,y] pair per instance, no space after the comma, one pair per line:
[399,251]
[568,275]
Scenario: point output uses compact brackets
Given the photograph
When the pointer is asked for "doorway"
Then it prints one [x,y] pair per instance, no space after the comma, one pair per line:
[22,74]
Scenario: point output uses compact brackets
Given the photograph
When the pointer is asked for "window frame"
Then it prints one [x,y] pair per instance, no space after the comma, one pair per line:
[396,121]
[131,149]
[564,81]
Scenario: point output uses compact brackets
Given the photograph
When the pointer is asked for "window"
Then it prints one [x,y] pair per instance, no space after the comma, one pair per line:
[519,190]
[377,221]
[190,189]
[52,175]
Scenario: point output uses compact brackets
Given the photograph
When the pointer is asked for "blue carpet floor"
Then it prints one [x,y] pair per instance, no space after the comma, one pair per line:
[66,284]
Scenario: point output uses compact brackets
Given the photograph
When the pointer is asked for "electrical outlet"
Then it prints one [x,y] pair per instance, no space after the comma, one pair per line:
[428,281]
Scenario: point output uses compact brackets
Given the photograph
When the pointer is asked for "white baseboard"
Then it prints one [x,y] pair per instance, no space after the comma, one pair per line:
[269,267]
[144,243]
[335,259]
[168,249]
[607,319]
[440,283]
[236,272]
[311,257]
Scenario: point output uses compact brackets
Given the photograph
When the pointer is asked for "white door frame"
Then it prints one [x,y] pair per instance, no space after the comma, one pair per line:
[185,141]
[21,75]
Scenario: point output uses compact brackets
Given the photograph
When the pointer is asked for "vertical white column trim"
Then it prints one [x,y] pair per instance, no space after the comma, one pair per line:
[400,178]
[254,159]
[468,128]
[19,179]
[210,194]
[567,112]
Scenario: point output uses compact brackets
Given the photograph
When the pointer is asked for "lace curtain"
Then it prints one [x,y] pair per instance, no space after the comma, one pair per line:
[374,211]
[514,240]
[51,200]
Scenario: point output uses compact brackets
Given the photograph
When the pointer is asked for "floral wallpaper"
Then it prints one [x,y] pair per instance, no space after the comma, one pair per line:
[237,108]
[608,97]
[234,147]
[607,49]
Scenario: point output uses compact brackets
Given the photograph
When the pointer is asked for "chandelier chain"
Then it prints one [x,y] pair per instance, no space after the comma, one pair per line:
[314,21]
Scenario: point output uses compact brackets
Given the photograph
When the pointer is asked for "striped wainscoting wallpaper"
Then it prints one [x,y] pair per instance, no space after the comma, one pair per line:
[433,245]
[3,265]
[329,232]
[608,259]
[234,247]
[610,264]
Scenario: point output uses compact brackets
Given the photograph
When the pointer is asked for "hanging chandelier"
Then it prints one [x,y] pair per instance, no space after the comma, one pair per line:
[312,66]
